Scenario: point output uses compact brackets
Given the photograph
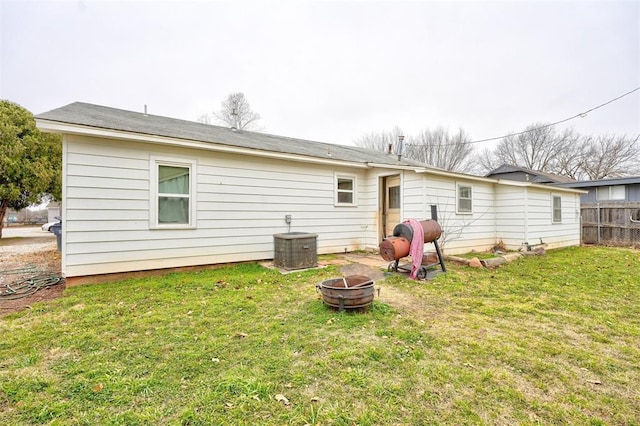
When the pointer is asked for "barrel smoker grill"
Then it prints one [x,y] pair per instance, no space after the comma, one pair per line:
[393,249]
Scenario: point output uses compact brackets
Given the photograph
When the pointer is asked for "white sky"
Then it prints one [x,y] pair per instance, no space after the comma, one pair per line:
[331,71]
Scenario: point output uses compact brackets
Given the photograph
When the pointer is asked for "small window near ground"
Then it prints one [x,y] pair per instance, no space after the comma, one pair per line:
[557,208]
[345,190]
[465,199]
[172,194]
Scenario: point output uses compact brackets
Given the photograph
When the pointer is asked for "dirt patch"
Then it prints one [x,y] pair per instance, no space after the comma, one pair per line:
[15,241]
[25,262]
[405,302]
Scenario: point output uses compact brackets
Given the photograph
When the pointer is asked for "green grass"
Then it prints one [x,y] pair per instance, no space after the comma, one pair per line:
[543,340]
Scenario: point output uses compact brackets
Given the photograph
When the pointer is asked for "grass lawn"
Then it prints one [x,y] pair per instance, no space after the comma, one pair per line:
[543,340]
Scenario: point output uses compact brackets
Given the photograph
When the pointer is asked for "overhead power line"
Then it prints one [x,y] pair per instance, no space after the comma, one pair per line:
[579,115]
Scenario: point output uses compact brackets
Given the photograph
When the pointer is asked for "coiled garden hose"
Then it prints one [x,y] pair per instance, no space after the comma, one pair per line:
[31,280]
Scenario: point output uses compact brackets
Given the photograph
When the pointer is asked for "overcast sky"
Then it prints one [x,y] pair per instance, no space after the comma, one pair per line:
[331,71]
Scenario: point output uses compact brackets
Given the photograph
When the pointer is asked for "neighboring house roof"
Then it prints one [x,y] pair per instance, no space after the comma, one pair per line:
[96,116]
[630,180]
[535,176]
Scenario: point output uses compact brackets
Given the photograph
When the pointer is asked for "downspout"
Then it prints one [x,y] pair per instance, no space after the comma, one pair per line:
[526,215]
[424,197]
[495,212]
[402,194]
[63,206]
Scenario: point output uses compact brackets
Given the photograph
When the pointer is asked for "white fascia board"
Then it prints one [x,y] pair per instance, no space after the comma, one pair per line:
[395,167]
[551,188]
[505,182]
[74,129]
[455,175]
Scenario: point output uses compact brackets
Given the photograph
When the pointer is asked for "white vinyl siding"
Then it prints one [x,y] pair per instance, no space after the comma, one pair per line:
[512,215]
[461,233]
[241,202]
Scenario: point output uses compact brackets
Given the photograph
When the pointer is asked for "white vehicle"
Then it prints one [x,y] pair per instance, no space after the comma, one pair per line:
[47,226]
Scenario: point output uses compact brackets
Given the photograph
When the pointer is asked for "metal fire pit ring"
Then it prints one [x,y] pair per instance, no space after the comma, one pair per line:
[350,292]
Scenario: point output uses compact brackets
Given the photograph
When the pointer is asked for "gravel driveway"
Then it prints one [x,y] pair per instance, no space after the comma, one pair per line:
[27,239]
[20,248]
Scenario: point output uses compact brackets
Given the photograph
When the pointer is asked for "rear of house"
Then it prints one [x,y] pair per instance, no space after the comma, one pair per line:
[144,192]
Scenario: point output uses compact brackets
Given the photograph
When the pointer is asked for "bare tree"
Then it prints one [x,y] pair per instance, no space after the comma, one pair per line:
[441,149]
[570,159]
[437,148]
[381,140]
[204,118]
[235,112]
[612,156]
[487,161]
[567,153]
[535,148]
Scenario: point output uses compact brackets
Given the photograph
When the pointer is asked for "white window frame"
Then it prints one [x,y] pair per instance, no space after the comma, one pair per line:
[155,162]
[555,197]
[458,187]
[353,192]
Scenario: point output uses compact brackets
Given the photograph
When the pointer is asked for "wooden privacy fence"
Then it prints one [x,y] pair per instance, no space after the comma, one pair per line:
[616,224]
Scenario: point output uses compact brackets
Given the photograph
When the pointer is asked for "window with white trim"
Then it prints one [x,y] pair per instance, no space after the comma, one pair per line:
[557,208]
[345,190]
[616,192]
[172,188]
[464,197]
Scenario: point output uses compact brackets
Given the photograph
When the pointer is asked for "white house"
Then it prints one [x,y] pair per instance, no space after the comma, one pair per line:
[143,192]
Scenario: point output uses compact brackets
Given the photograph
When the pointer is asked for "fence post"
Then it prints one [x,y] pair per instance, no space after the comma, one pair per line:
[598,220]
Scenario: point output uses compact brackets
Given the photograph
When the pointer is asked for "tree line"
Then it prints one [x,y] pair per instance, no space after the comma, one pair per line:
[539,146]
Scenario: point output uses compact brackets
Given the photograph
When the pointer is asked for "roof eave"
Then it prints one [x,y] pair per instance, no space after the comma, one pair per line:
[52,126]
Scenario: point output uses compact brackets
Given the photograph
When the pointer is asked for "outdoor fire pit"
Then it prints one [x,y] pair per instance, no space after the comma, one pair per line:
[350,292]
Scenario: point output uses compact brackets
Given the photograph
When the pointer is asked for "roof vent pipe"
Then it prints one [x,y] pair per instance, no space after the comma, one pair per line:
[145,109]
[234,120]
[400,146]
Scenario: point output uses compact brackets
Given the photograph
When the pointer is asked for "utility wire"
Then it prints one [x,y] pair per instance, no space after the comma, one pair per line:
[579,115]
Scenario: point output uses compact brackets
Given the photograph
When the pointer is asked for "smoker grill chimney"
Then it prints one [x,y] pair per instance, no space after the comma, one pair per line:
[400,146]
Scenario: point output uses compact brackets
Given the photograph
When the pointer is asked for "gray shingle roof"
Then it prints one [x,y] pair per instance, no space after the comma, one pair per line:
[627,180]
[79,113]
[536,176]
